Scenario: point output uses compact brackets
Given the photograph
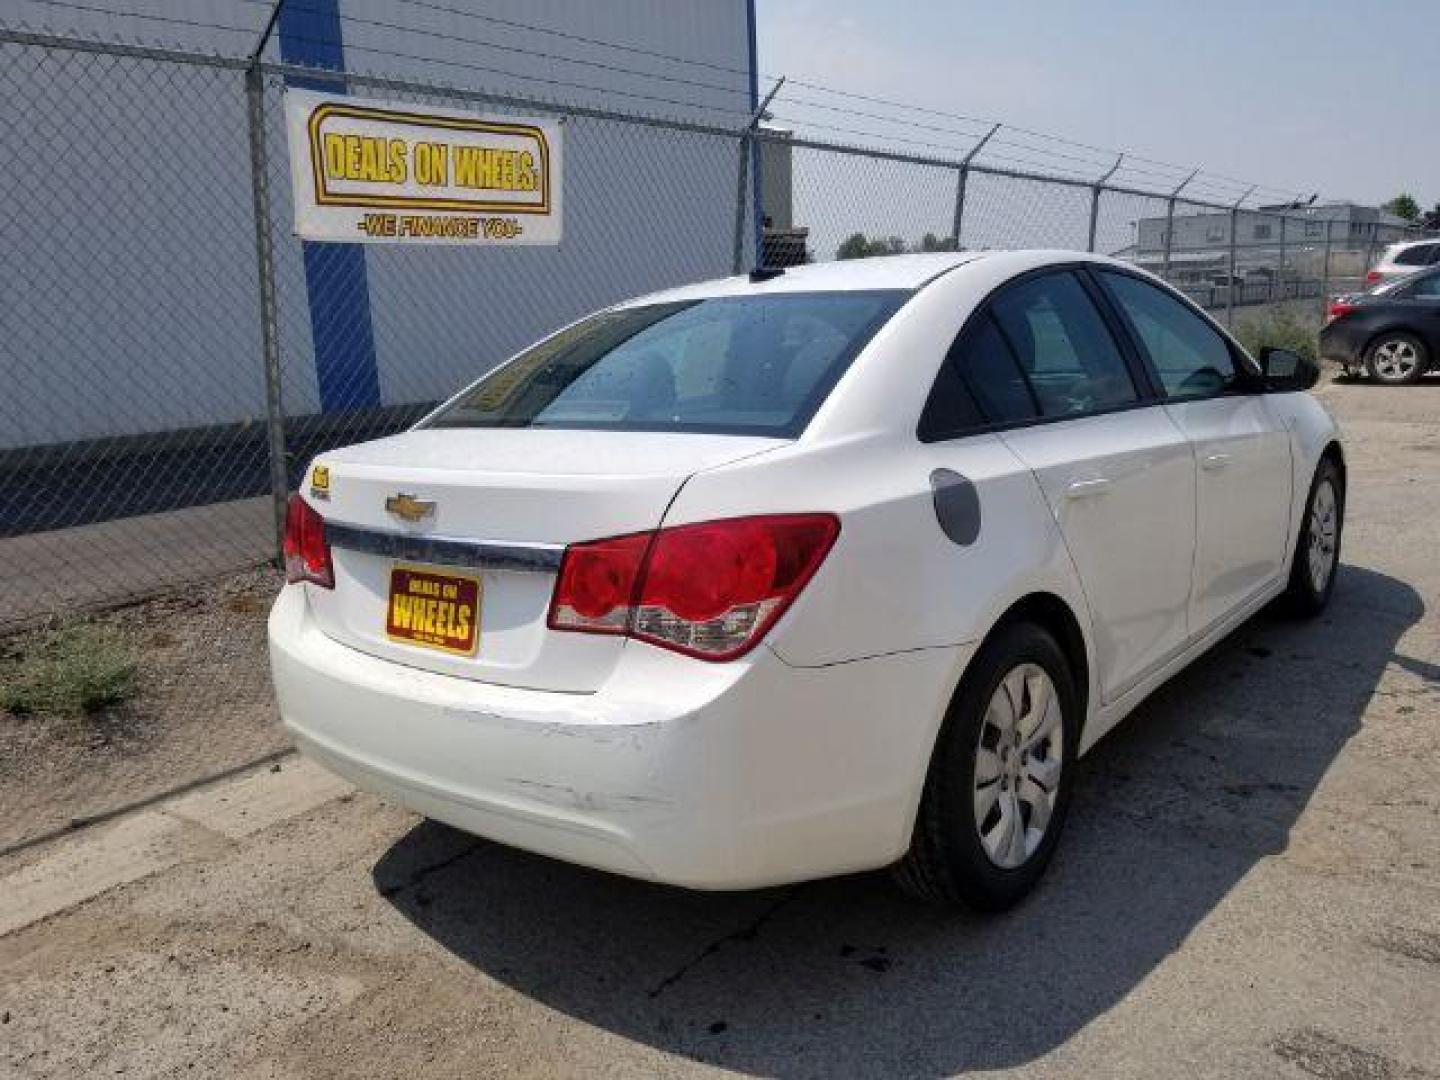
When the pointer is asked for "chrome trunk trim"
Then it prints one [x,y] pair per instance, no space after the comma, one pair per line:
[447,550]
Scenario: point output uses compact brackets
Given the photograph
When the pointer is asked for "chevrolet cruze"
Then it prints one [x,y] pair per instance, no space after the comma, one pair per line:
[785,576]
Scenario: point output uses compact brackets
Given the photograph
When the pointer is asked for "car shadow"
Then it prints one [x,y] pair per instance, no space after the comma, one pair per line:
[850,977]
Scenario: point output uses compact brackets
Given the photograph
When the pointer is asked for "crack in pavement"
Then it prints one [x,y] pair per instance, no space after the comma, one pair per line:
[415,877]
[748,932]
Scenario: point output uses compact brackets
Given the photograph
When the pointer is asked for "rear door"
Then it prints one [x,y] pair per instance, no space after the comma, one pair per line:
[1244,479]
[1117,473]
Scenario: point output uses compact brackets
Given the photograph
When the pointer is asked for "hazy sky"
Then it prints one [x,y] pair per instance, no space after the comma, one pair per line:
[1339,97]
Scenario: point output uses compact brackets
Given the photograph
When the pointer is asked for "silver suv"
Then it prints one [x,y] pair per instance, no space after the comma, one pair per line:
[1404,258]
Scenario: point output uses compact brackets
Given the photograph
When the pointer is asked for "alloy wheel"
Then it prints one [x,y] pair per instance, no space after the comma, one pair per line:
[1395,360]
[1324,527]
[1017,765]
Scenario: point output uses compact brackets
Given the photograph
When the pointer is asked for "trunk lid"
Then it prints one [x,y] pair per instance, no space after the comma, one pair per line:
[510,499]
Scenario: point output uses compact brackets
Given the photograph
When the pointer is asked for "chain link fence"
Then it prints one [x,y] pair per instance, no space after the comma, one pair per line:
[149,435]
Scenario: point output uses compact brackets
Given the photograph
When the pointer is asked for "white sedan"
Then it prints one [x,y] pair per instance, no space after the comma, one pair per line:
[773,578]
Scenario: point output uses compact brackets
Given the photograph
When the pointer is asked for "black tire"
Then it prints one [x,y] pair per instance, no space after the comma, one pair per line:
[1303,597]
[947,862]
[1391,376]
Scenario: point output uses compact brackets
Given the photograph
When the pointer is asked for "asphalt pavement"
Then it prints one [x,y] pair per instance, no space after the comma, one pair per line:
[1249,886]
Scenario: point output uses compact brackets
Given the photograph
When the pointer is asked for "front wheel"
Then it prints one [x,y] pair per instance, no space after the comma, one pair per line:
[1317,549]
[998,787]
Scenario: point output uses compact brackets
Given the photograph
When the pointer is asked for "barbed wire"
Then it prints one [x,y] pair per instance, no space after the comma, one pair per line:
[1060,163]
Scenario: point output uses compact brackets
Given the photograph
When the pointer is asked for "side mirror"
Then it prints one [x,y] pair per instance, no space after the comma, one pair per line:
[1284,370]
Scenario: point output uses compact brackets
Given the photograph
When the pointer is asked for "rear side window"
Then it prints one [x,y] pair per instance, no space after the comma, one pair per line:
[1064,348]
[744,365]
[979,384]
[1189,355]
[1040,349]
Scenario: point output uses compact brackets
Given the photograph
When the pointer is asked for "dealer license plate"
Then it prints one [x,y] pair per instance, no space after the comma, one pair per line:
[434,609]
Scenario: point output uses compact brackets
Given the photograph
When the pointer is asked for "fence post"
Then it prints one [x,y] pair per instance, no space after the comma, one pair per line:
[265,267]
[1170,222]
[1280,270]
[750,147]
[1095,190]
[738,261]
[962,179]
[1234,237]
[1325,272]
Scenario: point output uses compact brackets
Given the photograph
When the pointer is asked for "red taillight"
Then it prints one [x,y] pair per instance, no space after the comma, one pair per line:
[1338,309]
[597,584]
[1374,277]
[710,590]
[307,555]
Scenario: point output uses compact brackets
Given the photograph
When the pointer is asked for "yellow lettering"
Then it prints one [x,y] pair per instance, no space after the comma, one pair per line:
[335,154]
[430,163]
[400,611]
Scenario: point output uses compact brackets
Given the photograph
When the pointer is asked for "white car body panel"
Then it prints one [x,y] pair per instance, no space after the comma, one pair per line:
[1241,446]
[807,755]
[539,487]
[1121,487]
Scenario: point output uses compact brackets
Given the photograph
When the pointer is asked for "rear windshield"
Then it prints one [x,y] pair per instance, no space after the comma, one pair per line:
[742,365]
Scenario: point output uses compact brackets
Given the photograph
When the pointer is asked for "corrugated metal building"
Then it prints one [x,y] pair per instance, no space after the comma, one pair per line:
[129,277]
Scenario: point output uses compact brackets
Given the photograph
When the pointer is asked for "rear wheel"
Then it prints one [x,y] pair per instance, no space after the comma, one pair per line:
[1317,549]
[1396,358]
[998,788]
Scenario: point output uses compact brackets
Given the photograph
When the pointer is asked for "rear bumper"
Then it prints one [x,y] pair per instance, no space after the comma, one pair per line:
[705,775]
[1341,343]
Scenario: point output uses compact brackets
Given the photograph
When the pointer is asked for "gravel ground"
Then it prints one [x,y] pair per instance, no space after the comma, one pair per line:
[204,705]
[1249,887]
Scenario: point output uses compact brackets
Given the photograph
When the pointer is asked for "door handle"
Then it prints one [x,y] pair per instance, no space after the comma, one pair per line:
[1084,489]
[1214,462]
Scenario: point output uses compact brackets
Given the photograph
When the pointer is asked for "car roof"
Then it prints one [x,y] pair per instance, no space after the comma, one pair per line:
[908,272]
[1402,245]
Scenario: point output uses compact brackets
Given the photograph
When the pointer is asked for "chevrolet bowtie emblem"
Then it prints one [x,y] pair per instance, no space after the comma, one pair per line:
[409,508]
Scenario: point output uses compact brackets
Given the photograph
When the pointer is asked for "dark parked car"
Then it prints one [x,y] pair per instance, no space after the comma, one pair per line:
[1392,332]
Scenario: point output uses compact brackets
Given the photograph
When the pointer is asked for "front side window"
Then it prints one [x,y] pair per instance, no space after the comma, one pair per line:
[1190,356]
[1064,348]
[743,365]
[1427,287]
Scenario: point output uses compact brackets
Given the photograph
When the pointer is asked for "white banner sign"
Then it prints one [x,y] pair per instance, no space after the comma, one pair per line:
[378,173]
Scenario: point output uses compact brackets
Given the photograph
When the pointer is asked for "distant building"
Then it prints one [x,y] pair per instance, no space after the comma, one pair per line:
[1348,223]
[1200,246]
[145,275]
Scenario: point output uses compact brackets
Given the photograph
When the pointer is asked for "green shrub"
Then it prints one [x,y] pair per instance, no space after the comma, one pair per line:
[1283,328]
[75,671]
